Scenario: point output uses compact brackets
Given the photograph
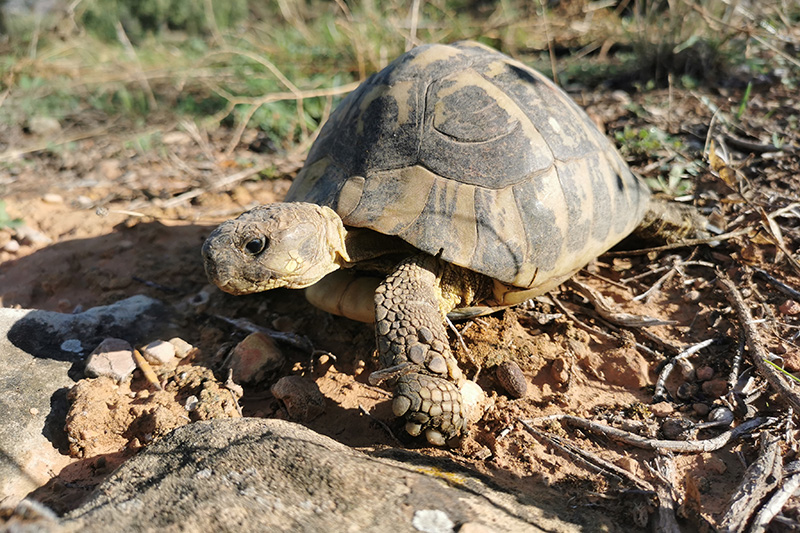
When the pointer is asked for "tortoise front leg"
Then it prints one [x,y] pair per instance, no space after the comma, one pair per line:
[412,341]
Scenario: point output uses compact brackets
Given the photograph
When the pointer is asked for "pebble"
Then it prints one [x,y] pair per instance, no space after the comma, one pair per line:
[43,125]
[112,358]
[159,352]
[677,429]
[691,296]
[662,409]
[715,388]
[432,521]
[72,346]
[53,198]
[700,408]
[722,415]
[715,464]
[182,348]
[687,390]
[301,397]
[560,371]
[253,358]
[704,373]
[512,379]
[11,246]
[29,236]
[789,307]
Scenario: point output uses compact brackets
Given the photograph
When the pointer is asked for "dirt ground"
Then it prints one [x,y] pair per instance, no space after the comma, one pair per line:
[114,220]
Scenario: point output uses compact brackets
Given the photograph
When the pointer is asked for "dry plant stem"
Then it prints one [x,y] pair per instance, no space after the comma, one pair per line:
[594,462]
[736,364]
[661,385]
[683,244]
[664,472]
[785,289]
[607,311]
[786,490]
[222,183]
[596,331]
[292,339]
[646,295]
[759,479]
[146,369]
[140,76]
[687,446]
[381,423]
[758,353]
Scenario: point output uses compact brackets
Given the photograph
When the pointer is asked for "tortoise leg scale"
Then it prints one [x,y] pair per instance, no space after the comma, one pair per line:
[411,336]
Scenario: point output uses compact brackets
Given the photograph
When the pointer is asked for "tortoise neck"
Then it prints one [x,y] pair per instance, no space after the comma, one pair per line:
[364,244]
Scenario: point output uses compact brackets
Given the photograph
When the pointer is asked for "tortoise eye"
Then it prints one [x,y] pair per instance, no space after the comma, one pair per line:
[256,245]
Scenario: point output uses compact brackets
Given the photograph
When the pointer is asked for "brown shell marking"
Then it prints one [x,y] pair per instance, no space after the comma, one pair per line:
[464,152]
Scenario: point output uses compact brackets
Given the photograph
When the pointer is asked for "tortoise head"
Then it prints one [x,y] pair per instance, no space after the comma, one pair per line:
[290,245]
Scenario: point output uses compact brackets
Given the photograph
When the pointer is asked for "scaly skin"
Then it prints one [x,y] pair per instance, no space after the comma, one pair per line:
[409,325]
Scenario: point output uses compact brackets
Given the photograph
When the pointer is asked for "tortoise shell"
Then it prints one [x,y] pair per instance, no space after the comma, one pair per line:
[470,155]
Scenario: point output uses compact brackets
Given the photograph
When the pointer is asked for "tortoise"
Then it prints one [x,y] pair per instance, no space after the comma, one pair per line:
[460,177]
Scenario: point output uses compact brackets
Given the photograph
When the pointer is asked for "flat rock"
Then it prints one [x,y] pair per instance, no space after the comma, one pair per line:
[272,475]
[41,357]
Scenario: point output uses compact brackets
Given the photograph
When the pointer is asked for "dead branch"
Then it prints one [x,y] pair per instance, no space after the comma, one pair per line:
[758,353]
[683,244]
[759,479]
[606,310]
[664,471]
[765,515]
[292,339]
[594,462]
[781,286]
[661,385]
[687,446]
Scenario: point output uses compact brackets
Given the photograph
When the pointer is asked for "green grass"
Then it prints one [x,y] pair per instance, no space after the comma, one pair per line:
[230,62]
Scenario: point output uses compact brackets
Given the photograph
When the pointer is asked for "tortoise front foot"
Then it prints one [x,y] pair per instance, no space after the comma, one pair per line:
[432,405]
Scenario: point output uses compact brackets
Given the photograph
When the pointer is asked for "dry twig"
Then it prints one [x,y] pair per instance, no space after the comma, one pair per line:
[661,385]
[759,479]
[758,353]
[606,310]
[687,446]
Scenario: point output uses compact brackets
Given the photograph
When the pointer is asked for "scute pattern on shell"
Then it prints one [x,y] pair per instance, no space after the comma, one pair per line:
[464,152]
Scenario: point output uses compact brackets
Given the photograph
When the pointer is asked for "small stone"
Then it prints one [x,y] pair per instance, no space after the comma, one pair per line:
[715,388]
[283,323]
[723,415]
[704,373]
[677,429]
[43,125]
[72,346]
[53,198]
[301,397]
[255,357]
[789,307]
[191,403]
[159,352]
[662,409]
[511,378]
[29,236]
[560,371]
[34,411]
[432,521]
[182,348]
[715,464]
[700,408]
[11,246]
[691,296]
[112,358]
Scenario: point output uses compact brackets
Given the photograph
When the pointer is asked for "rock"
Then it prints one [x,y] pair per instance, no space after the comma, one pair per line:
[43,125]
[789,307]
[715,388]
[512,379]
[182,348]
[301,397]
[700,408]
[53,198]
[39,362]
[112,358]
[254,358]
[704,373]
[159,352]
[271,475]
[662,409]
[31,237]
[11,246]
